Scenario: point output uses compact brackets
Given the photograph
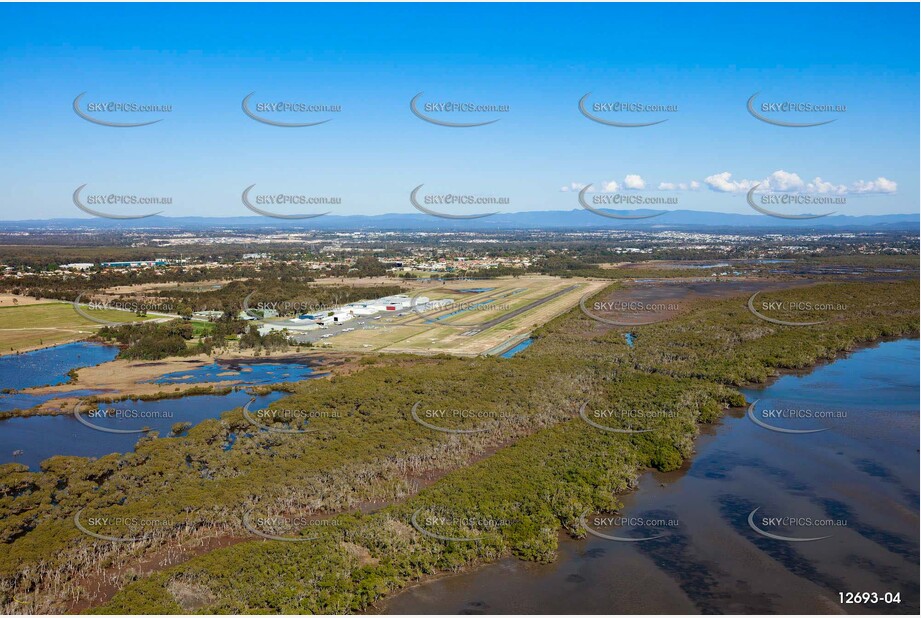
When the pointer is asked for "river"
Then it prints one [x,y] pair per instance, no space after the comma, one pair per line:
[855,483]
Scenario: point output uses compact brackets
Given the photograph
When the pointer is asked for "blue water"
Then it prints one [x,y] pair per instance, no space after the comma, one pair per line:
[518,348]
[476,290]
[41,437]
[251,374]
[49,366]
[20,401]
[863,470]
[882,379]
[629,338]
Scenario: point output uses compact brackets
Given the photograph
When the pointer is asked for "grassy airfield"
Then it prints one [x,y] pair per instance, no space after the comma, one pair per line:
[482,316]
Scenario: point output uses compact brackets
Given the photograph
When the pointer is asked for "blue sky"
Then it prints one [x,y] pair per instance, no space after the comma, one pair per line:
[537,59]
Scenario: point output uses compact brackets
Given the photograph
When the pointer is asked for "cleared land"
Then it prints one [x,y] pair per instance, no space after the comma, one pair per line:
[481,316]
[38,325]
[16,300]
[188,286]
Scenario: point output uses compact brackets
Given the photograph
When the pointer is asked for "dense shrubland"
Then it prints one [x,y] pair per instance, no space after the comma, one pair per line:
[545,465]
[155,341]
[287,292]
[290,285]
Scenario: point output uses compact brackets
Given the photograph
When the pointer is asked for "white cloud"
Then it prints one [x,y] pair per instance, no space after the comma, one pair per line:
[790,182]
[820,186]
[782,181]
[778,181]
[679,186]
[634,181]
[723,183]
[880,185]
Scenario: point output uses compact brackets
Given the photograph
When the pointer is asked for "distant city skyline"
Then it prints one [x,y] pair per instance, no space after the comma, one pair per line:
[549,77]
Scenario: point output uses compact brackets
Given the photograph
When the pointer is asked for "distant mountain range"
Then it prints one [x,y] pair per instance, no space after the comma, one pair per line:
[536,220]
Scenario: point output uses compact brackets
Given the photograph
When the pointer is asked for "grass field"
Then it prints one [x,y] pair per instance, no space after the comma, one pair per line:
[38,325]
[483,315]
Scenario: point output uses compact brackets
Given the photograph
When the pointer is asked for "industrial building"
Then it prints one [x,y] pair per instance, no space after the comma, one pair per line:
[345,313]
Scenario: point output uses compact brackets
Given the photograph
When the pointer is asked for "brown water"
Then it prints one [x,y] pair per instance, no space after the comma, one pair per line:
[862,471]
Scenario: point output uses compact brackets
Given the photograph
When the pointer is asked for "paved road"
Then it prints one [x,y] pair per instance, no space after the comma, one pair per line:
[508,316]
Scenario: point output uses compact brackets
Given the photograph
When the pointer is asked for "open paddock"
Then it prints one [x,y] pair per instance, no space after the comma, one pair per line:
[39,325]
